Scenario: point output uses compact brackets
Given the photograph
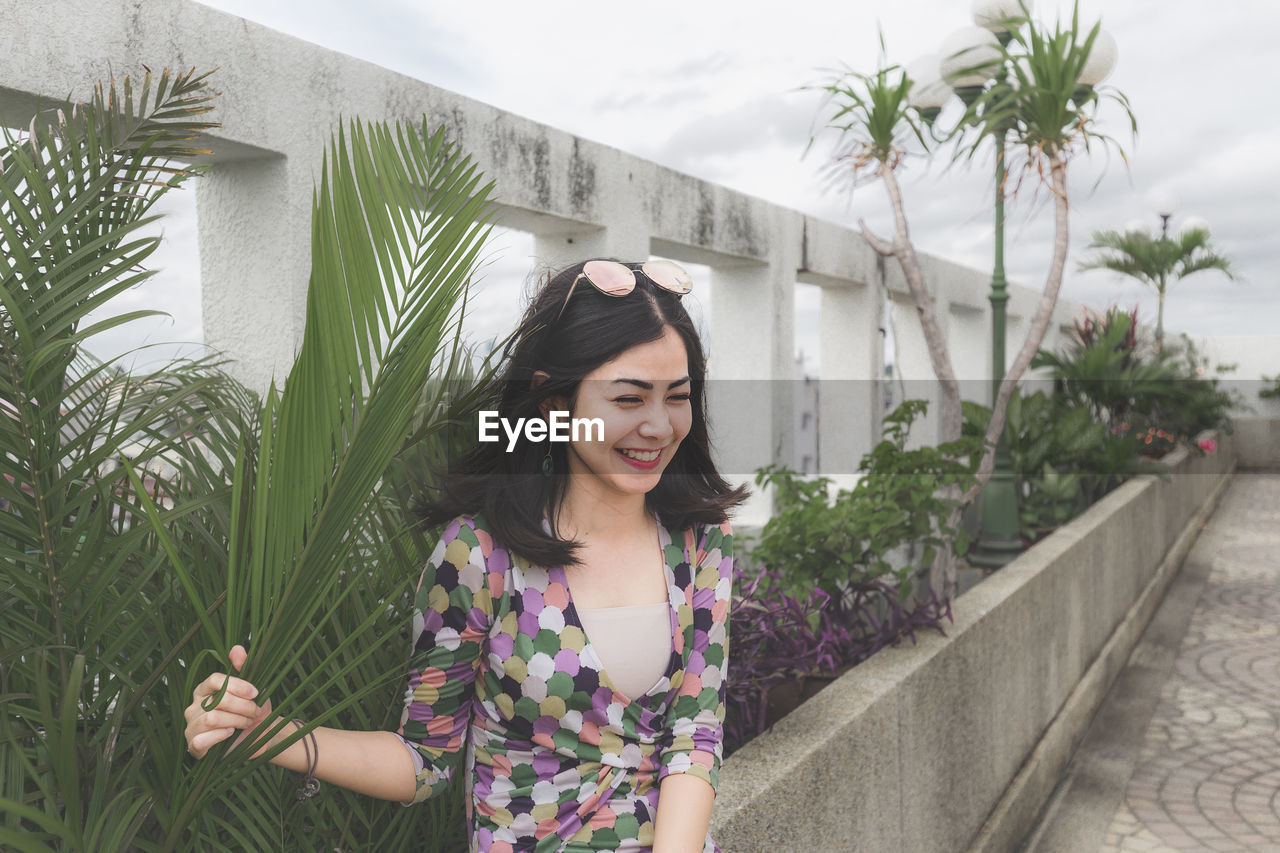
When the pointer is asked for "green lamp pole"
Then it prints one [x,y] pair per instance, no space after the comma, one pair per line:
[969,64]
[999,541]
[970,59]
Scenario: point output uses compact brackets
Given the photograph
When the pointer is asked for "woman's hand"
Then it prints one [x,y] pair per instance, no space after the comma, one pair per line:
[373,763]
[237,710]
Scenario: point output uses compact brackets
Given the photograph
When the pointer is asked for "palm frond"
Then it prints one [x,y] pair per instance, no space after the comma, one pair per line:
[133,534]
[873,118]
[1155,261]
[1039,105]
[398,223]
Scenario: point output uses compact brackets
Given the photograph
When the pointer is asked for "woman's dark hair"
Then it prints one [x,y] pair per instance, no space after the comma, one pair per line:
[508,488]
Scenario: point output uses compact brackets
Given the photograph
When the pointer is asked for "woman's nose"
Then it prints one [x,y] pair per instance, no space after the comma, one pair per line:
[656,424]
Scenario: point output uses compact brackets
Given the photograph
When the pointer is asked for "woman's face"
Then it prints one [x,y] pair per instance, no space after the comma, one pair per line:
[642,398]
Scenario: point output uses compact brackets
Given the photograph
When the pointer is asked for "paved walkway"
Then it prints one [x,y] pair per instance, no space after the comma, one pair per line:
[1185,752]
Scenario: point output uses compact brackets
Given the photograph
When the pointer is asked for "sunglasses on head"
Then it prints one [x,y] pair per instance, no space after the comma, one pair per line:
[617,279]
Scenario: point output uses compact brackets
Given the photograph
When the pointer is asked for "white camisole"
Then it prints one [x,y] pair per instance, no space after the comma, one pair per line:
[633,642]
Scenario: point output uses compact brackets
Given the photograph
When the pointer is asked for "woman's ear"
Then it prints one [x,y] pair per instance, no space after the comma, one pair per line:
[551,404]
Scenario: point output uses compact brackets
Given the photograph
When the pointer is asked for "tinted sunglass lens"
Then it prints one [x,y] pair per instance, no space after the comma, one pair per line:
[610,277]
[669,276]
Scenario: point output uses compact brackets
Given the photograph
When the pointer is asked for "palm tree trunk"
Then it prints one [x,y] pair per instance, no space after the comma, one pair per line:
[944,576]
[949,411]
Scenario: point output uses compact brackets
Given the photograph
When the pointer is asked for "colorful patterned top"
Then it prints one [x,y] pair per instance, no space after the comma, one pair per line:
[558,759]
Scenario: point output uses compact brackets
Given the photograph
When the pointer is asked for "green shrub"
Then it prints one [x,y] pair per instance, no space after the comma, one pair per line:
[1063,459]
[852,540]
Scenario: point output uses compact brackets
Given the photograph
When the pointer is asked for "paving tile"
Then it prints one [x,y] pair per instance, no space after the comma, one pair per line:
[1208,770]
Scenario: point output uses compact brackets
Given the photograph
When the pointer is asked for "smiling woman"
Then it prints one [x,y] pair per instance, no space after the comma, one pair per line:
[570,627]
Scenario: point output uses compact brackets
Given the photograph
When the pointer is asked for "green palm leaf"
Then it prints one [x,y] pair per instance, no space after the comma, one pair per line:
[134,509]
[398,224]
[78,577]
[1157,262]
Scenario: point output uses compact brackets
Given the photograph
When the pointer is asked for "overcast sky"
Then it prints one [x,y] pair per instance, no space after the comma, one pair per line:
[714,89]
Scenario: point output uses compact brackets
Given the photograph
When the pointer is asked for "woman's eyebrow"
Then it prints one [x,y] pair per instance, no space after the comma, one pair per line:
[648,386]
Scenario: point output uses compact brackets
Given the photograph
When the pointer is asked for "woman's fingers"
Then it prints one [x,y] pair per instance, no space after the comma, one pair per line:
[230,702]
[222,718]
[235,710]
[210,727]
[200,744]
[212,684]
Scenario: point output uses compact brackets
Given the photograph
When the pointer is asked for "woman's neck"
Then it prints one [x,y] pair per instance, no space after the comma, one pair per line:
[584,512]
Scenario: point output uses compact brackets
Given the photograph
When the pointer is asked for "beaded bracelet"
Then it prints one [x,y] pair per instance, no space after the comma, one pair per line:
[310,784]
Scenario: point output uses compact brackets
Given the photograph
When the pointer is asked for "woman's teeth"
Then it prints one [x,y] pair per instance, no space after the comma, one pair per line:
[641,455]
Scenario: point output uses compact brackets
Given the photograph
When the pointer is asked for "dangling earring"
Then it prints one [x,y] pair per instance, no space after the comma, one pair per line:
[548,466]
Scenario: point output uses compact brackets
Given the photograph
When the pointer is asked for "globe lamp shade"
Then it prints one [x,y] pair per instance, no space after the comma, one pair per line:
[992,14]
[969,57]
[928,91]
[1165,203]
[1101,61]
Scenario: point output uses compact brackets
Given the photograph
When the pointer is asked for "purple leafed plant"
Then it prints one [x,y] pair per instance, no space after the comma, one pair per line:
[778,638]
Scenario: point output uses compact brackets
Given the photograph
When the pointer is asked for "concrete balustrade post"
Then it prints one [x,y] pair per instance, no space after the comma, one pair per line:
[751,395]
[254,225]
[851,398]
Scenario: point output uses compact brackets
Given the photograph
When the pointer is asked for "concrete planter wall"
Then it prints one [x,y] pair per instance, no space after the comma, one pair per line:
[956,742]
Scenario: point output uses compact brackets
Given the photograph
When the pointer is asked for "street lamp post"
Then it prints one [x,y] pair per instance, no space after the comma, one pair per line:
[972,61]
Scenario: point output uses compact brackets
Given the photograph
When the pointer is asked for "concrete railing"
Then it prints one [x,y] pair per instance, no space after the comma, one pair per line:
[283,97]
[955,743]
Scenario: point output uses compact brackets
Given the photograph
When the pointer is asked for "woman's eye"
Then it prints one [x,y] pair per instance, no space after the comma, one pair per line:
[680,398]
[627,400]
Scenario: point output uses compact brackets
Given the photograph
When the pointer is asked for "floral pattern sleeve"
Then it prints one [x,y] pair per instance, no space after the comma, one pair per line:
[453,612]
[695,718]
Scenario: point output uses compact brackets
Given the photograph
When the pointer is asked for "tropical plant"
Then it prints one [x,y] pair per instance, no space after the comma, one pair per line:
[1156,402]
[1103,370]
[150,523]
[841,545]
[1199,400]
[1047,115]
[1062,457]
[832,577]
[1157,262]
[875,120]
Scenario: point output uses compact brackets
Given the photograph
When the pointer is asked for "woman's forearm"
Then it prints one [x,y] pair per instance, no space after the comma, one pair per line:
[372,763]
[684,813]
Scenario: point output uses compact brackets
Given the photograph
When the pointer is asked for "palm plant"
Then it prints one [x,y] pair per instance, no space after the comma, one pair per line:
[1157,262]
[149,523]
[875,120]
[1102,372]
[1048,116]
